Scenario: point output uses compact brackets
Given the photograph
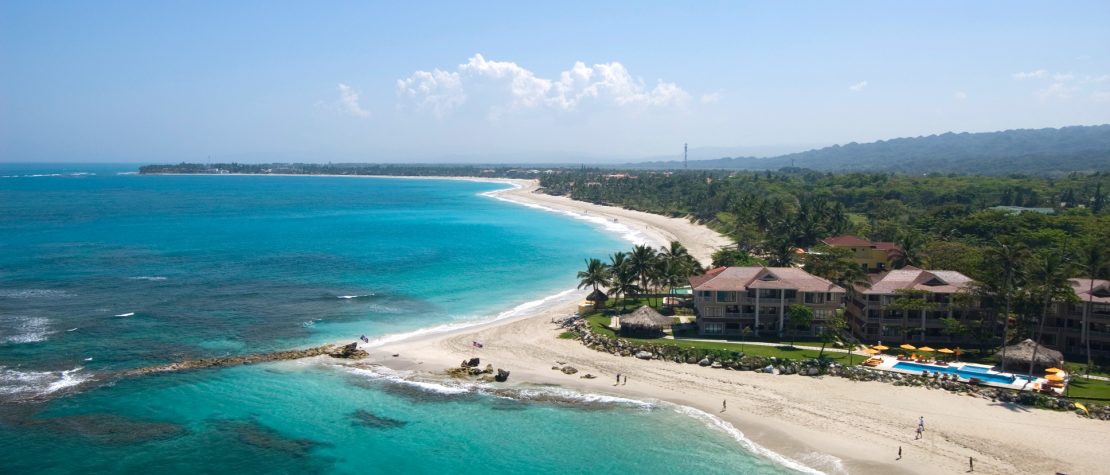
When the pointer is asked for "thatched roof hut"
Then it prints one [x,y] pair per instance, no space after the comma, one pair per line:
[1022,353]
[644,322]
[597,296]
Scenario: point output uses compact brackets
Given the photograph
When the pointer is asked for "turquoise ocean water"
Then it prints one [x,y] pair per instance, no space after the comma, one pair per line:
[102,270]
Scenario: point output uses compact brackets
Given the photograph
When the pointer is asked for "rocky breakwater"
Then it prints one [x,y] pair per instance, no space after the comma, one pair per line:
[350,351]
[469,369]
[738,361]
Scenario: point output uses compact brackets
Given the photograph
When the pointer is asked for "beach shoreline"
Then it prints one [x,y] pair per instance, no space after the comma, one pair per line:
[830,424]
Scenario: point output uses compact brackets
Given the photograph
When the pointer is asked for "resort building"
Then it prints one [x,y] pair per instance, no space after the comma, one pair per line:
[730,299]
[1064,327]
[872,256]
[889,311]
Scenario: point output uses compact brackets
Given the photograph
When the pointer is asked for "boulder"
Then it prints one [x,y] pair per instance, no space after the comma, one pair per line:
[813,371]
[588,376]
[350,352]
[704,362]
[473,362]
[643,355]
[569,370]
[502,376]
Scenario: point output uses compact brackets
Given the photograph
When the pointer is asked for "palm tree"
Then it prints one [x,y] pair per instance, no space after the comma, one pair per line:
[677,264]
[1008,258]
[836,265]
[621,281]
[908,251]
[596,273]
[1093,262]
[642,262]
[1050,275]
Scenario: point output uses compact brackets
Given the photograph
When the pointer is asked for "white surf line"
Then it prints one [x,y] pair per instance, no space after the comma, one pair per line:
[524,310]
[624,231]
[726,427]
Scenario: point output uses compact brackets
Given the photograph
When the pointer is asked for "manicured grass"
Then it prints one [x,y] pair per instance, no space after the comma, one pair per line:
[567,335]
[600,324]
[1080,368]
[1089,389]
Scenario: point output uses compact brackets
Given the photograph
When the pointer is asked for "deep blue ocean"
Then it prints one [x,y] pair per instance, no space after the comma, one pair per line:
[103,270]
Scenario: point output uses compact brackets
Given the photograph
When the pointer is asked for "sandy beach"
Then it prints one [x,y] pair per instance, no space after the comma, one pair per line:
[830,424]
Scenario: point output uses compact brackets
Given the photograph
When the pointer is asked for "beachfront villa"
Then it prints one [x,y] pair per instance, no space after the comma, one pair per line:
[1064,328]
[730,299]
[880,313]
[872,256]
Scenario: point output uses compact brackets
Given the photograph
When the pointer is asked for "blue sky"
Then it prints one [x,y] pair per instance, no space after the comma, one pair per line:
[504,82]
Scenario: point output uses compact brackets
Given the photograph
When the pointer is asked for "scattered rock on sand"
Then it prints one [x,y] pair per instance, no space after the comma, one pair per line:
[569,370]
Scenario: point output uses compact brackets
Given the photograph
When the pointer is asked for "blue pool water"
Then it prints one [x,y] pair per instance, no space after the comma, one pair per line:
[101,271]
[969,372]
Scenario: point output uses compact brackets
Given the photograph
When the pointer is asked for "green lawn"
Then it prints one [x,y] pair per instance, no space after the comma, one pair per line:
[600,324]
[1089,389]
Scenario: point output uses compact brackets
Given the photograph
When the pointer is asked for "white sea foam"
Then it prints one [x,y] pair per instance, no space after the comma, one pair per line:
[33,293]
[572,396]
[37,383]
[521,310]
[401,377]
[148,277]
[615,227]
[354,296]
[127,173]
[720,424]
[126,314]
[827,462]
[19,329]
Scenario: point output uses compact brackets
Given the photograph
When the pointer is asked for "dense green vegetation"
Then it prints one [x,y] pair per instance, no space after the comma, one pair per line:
[1021,260]
[1040,151]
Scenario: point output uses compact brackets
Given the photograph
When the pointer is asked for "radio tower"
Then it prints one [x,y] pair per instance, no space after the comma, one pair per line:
[685,149]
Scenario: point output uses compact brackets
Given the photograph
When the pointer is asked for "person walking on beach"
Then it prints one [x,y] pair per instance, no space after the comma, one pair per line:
[919,430]
[971,464]
[618,379]
[626,379]
[724,405]
[921,423]
[899,453]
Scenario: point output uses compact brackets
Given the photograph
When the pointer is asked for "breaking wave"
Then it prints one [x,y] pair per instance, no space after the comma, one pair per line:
[15,329]
[615,227]
[27,384]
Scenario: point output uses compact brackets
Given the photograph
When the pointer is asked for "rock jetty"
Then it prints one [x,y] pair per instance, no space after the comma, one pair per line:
[350,351]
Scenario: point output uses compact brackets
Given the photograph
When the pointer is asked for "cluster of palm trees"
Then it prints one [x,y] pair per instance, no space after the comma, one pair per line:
[640,271]
[1034,281]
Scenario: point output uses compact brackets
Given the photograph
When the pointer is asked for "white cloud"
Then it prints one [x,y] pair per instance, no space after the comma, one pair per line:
[857,87]
[1057,91]
[1036,74]
[1061,77]
[348,99]
[711,98]
[1101,96]
[960,95]
[438,91]
[516,88]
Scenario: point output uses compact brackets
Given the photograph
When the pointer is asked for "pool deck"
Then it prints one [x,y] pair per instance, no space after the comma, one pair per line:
[1019,384]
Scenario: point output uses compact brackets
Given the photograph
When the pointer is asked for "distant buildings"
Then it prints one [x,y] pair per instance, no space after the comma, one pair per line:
[871,256]
[907,305]
[729,299]
[1064,328]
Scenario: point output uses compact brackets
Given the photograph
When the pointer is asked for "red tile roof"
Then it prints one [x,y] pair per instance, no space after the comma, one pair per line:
[744,278]
[935,281]
[1100,294]
[846,240]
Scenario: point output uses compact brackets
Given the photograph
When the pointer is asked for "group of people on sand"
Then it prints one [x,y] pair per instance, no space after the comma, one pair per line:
[920,431]
[619,379]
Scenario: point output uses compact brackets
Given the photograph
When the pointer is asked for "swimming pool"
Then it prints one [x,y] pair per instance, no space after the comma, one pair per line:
[969,372]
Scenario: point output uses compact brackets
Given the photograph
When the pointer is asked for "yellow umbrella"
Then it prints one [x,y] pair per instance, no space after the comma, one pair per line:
[945,351]
[1054,377]
[907,346]
[1053,370]
[1084,408]
[871,351]
[881,347]
[926,348]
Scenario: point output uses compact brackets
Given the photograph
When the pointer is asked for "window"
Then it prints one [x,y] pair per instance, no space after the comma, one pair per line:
[704,293]
[712,328]
[892,331]
[810,297]
[768,311]
[732,309]
[726,296]
[791,293]
[732,326]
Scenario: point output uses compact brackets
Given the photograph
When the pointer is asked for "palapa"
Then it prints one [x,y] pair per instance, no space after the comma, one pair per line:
[644,321]
[1022,354]
[597,296]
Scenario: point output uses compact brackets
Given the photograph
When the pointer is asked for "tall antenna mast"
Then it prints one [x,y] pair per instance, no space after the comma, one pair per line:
[685,150]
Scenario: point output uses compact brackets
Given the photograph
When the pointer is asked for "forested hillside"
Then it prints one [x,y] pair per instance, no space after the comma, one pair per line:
[1027,151]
